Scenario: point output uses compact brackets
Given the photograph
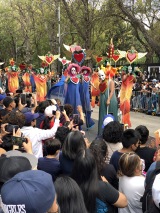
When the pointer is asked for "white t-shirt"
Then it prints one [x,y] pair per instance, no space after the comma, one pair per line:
[133,188]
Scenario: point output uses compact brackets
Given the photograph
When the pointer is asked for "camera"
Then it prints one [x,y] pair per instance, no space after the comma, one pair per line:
[18,141]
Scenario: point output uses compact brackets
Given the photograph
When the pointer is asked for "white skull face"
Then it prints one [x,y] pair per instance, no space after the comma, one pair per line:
[101,75]
[41,70]
[73,71]
[84,72]
[129,69]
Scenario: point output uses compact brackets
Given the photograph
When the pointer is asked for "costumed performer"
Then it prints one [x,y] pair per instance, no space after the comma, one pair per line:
[12,74]
[28,79]
[85,95]
[94,88]
[108,101]
[72,92]
[41,83]
[128,79]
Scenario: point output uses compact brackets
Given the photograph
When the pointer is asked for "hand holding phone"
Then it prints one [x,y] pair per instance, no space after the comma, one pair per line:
[61,108]
[23,98]
[18,141]
[75,119]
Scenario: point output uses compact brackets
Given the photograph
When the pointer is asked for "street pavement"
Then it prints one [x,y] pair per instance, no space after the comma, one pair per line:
[137,118]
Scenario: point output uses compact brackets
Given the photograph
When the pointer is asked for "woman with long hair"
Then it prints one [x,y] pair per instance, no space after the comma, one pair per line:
[72,145]
[69,195]
[99,149]
[99,196]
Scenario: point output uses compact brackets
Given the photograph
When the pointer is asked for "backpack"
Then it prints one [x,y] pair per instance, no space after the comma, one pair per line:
[148,205]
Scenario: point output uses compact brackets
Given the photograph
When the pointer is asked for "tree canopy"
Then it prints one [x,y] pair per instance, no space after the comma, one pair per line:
[30,27]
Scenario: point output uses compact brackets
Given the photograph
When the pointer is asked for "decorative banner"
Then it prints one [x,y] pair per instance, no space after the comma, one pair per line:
[111,49]
[99,59]
[79,57]
[115,57]
[64,61]
[49,58]
[131,56]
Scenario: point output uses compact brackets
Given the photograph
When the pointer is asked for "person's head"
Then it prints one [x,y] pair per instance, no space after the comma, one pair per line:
[14,118]
[41,107]
[69,109]
[130,165]
[30,118]
[52,146]
[131,139]
[100,151]
[112,132]
[11,166]
[29,191]
[49,111]
[61,133]
[84,172]
[73,143]
[9,103]
[69,195]
[7,142]
[144,132]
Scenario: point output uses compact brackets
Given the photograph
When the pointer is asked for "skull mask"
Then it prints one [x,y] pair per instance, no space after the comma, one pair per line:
[73,71]
[102,75]
[41,70]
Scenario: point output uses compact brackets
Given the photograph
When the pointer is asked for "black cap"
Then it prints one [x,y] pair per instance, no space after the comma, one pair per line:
[7,100]
[10,166]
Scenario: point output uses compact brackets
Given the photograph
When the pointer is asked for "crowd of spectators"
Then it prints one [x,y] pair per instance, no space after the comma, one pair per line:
[48,165]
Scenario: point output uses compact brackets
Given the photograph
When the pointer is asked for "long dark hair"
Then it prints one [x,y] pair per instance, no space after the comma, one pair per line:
[85,174]
[69,195]
[73,143]
[100,151]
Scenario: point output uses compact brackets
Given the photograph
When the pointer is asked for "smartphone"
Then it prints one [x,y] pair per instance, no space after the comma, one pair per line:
[61,108]
[23,98]
[18,141]
[75,119]
[53,112]
[10,127]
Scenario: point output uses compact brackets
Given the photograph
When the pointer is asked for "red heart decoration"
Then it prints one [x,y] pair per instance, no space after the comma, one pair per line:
[98,59]
[103,87]
[115,57]
[64,62]
[49,59]
[78,56]
[131,57]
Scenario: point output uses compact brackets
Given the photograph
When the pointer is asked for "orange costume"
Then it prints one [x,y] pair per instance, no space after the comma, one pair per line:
[12,74]
[125,96]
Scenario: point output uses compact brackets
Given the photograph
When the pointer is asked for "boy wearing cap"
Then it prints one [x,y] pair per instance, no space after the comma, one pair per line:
[36,135]
[29,192]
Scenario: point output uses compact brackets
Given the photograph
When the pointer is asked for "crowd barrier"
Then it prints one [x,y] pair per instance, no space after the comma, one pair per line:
[146,102]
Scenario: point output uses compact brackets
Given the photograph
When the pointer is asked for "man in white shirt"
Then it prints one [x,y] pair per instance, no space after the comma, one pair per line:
[36,135]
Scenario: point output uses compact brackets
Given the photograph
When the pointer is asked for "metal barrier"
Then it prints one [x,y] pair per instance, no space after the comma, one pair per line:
[147,102]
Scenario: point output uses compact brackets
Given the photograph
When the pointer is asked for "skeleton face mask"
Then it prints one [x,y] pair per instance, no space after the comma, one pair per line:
[84,72]
[73,71]
[101,75]
[41,70]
